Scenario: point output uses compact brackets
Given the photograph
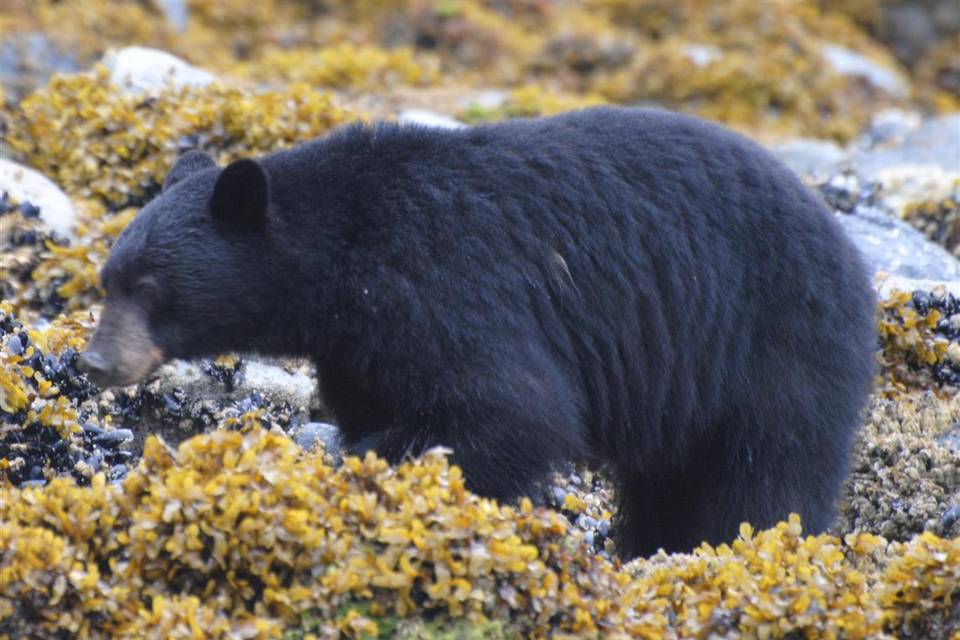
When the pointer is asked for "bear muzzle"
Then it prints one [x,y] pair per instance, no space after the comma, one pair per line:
[121,352]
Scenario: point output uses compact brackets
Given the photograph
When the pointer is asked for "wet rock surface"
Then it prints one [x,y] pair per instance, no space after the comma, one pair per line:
[39,195]
[896,191]
[145,70]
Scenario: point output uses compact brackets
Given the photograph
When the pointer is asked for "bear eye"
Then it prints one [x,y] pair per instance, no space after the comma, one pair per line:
[148,288]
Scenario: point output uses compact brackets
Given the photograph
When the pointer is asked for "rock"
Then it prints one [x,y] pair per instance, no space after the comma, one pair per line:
[27,60]
[27,185]
[489,99]
[113,439]
[851,63]
[910,28]
[924,166]
[951,439]
[887,284]
[703,55]
[312,433]
[176,12]
[270,381]
[889,127]
[428,119]
[809,158]
[950,517]
[893,246]
[275,383]
[140,69]
[900,161]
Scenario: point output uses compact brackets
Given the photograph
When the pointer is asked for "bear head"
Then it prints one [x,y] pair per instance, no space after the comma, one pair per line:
[178,280]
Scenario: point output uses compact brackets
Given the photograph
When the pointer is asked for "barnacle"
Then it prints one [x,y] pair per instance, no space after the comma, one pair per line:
[906,473]
[918,335]
[938,219]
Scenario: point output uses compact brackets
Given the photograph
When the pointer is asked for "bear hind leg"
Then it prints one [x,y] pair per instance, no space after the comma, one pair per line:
[736,479]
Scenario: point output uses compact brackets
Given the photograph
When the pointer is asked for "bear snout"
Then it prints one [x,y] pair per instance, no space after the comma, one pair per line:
[120,352]
[101,371]
[93,364]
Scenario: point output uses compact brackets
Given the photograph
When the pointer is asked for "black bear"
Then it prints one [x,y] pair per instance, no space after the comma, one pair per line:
[632,288]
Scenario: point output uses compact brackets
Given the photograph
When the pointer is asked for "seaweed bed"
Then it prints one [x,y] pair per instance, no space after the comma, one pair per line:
[239,532]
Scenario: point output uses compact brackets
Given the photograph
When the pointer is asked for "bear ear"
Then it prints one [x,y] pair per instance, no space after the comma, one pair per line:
[242,195]
[190,162]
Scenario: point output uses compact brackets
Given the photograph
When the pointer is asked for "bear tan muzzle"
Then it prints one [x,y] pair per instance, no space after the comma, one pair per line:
[121,351]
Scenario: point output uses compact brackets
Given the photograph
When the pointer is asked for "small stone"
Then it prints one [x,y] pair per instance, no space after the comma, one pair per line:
[431,119]
[83,469]
[95,461]
[113,439]
[950,517]
[171,403]
[92,431]
[312,433]
[14,346]
[953,352]
[29,210]
[559,495]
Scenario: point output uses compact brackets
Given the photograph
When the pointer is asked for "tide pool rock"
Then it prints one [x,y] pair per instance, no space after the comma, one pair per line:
[28,185]
[143,70]
[428,119]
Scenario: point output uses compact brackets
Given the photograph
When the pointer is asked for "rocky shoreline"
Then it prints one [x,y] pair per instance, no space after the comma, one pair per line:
[108,531]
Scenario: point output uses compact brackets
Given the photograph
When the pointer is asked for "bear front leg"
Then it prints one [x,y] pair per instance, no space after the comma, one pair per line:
[506,434]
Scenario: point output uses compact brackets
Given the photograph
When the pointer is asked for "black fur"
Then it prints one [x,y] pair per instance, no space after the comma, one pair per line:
[190,162]
[634,288]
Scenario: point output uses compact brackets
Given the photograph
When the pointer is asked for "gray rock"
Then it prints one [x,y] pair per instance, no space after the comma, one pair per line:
[911,28]
[703,55]
[889,127]
[27,60]
[893,246]
[143,70]
[489,99]
[924,166]
[887,285]
[933,144]
[270,381]
[113,439]
[899,161]
[809,158]
[951,439]
[950,517]
[25,184]
[176,12]
[849,62]
[428,119]
[311,434]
